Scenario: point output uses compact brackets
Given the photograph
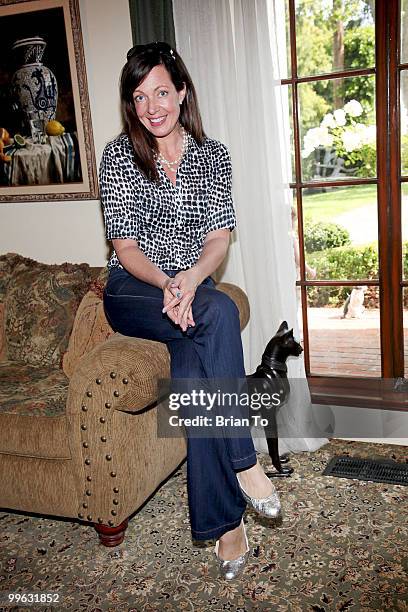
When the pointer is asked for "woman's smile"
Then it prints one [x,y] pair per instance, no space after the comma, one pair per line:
[157,121]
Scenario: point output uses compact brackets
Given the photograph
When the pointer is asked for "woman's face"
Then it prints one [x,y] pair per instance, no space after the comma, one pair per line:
[157,102]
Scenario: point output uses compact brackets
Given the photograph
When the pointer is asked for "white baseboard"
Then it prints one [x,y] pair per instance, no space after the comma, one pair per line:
[399,441]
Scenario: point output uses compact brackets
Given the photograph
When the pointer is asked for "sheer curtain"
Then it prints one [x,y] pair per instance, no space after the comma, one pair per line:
[231,49]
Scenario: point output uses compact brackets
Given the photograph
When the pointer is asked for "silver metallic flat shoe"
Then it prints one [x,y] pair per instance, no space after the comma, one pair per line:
[234,568]
[269,507]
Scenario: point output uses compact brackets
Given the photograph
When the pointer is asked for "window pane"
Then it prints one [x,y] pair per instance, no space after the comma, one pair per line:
[279,13]
[344,338]
[334,36]
[405,298]
[337,128]
[404,229]
[404,121]
[288,44]
[340,232]
[295,236]
[289,156]
[404,31]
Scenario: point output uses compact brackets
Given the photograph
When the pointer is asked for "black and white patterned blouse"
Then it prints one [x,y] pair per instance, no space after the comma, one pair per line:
[168,221]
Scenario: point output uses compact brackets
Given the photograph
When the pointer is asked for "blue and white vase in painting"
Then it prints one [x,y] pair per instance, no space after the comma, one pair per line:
[33,84]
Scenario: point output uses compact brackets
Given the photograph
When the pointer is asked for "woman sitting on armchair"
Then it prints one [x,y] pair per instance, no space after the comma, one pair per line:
[166,193]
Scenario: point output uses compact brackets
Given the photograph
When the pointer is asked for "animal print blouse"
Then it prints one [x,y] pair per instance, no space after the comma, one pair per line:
[168,221]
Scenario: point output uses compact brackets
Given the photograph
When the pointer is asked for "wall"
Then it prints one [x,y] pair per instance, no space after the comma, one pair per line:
[363,424]
[73,231]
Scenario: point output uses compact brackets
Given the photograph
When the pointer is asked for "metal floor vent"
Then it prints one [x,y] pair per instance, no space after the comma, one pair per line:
[379,470]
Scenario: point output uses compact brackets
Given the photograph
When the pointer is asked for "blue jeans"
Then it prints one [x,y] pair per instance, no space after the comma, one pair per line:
[211,349]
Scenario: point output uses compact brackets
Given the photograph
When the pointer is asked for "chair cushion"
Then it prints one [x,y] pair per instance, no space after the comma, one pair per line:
[40,303]
[90,326]
[32,391]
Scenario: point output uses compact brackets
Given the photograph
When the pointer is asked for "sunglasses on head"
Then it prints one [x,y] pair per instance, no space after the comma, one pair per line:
[161,47]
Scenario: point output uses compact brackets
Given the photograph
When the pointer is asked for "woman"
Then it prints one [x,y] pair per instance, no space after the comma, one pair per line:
[166,193]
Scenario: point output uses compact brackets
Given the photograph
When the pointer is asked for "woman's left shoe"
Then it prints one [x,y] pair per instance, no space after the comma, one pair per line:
[269,507]
[234,568]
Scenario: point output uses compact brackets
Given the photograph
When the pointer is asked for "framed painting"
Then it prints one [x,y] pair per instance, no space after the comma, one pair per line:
[46,141]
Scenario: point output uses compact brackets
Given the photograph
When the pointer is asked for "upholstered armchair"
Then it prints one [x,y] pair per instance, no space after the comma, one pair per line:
[78,402]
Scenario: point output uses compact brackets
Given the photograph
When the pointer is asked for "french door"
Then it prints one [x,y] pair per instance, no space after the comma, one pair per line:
[348,102]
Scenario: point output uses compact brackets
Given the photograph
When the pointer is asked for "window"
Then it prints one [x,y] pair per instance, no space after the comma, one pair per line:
[347,79]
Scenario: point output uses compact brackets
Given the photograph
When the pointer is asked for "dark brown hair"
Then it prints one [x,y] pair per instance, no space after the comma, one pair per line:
[140,61]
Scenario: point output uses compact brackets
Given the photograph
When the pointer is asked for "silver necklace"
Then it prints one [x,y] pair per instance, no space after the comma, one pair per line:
[172,164]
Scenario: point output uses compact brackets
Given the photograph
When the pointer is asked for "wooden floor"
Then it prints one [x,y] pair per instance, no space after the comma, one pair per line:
[347,347]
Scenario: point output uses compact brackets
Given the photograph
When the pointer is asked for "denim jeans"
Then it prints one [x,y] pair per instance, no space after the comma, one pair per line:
[211,349]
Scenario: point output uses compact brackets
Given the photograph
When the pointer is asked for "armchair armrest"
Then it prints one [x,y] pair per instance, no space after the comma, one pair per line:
[112,436]
[121,371]
[241,300]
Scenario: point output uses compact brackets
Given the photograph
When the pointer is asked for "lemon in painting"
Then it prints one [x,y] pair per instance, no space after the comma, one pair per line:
[19,141]
[54,128]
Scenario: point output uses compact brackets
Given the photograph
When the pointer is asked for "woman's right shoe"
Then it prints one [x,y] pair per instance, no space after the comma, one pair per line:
[269,507]
[234,568]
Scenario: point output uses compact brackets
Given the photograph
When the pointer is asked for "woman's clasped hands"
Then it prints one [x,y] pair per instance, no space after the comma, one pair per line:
[178,296]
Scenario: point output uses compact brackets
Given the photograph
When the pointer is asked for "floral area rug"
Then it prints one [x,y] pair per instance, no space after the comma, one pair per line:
[342,545]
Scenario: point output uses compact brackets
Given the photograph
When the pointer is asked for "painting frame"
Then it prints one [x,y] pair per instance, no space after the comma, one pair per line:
[86,186]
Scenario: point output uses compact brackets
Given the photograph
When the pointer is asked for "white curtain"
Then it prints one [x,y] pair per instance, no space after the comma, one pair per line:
[230,48]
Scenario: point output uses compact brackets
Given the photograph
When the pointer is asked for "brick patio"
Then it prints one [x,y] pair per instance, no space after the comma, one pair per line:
[347,347]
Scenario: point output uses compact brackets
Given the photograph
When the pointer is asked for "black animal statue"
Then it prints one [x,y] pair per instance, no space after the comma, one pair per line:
[271,377]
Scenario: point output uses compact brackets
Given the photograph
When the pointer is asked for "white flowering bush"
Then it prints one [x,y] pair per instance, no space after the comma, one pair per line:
[352,141]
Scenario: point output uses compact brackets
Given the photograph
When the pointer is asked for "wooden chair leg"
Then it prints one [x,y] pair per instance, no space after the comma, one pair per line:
[111,536]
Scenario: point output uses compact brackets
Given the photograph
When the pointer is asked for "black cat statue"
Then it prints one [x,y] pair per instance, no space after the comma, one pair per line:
[271,377]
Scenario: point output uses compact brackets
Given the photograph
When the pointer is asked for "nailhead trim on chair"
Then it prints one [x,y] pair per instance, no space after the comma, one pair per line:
[108,457]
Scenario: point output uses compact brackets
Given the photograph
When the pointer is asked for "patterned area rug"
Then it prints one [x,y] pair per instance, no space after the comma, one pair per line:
[342,546]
